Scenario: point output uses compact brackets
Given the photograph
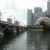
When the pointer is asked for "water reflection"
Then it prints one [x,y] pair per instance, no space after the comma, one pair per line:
[30,40]
[14,42]
[38,40]
[5,41]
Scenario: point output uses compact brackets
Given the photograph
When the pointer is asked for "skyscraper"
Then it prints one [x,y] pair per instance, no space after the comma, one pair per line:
[9,20]
[37,10]
[48,8]
[29,17]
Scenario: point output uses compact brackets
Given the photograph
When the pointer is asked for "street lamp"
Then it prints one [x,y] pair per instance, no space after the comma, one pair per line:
[14,20]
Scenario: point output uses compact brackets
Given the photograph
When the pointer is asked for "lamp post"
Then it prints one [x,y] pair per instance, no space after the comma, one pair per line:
[14,20]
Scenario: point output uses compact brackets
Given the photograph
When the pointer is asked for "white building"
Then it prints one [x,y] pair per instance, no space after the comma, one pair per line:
[29,17]
[9,20]
[48,8]
[16,23]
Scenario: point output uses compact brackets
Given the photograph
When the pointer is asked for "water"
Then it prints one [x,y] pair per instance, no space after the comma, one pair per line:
[29,40]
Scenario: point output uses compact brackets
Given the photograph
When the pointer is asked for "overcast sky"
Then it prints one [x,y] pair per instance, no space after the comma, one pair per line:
[19,6]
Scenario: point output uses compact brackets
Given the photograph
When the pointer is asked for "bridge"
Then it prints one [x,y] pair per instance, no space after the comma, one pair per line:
[7,28]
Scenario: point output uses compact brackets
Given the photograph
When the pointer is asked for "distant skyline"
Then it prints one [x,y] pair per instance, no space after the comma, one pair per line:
[17,6]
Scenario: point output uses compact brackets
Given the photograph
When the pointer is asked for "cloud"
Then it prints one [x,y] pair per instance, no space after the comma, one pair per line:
[11,6]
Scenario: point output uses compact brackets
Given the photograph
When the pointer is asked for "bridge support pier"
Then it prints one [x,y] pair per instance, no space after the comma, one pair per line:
[1,32]
[20,29]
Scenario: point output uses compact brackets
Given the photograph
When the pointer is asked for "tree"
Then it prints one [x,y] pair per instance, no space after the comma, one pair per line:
[45,27]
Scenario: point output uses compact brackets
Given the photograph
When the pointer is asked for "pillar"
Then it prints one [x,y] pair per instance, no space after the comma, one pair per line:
[1,32]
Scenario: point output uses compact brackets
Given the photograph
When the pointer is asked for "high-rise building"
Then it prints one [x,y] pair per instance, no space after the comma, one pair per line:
[41,14]
[34,18]
[48,8]
[37,13]
[37,10]
[29,17]
[9,20]
[16,23]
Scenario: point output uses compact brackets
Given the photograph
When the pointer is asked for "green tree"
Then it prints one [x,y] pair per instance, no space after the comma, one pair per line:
[45,27]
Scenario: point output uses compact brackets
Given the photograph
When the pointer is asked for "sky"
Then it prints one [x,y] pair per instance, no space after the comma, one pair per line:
[31,4]
[18,8]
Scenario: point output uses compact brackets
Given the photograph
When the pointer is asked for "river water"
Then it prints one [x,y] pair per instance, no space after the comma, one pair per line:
[29,40]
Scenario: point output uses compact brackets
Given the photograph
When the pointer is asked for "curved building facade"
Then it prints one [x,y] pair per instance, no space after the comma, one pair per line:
[45,19]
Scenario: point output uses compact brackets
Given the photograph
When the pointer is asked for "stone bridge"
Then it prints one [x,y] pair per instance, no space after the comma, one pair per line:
[7,28]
